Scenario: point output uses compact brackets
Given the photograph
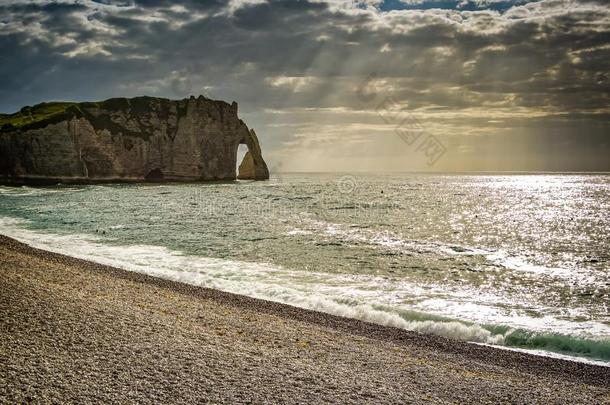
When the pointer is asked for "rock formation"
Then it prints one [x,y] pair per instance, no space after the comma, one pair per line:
[253,166]
[120,139]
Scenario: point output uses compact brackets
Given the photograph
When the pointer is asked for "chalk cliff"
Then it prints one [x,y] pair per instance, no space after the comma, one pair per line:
[121,139]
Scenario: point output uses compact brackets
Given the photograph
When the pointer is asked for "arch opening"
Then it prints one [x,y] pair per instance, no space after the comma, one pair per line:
[242,150]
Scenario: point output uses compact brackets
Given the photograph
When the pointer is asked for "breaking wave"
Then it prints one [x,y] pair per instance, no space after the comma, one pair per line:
[305,290]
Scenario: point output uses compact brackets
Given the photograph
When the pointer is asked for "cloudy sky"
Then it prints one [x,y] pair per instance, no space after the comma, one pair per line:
[444,85]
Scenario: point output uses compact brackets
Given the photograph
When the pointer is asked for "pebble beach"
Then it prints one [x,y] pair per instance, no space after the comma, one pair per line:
[73,331]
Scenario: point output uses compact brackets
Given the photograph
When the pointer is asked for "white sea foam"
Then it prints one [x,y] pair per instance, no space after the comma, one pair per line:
[25,191]
[251,279]
[353,296]
[297,231]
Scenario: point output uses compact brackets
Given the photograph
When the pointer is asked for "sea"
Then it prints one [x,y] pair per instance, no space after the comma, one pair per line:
[519,261]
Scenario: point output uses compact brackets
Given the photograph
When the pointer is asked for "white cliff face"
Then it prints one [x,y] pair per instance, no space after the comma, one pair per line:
[132,140]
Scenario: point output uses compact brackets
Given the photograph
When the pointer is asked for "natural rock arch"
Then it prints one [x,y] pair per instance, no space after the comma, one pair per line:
[129,139]
[252,167]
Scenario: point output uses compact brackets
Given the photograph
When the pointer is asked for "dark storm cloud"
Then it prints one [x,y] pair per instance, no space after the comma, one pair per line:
[311,39]
[546,57]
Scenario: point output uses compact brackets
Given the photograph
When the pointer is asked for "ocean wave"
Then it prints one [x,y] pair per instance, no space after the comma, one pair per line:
[388,241]
[25,191]
[335,294]
[552,342]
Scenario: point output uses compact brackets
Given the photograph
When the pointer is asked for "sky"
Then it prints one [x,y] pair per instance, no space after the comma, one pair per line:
[347,86]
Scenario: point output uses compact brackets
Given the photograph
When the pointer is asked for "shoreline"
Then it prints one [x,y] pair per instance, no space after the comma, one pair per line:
[111,291]
[48,182]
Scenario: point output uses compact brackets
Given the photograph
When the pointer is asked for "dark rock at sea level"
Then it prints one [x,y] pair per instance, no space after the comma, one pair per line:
[121,139]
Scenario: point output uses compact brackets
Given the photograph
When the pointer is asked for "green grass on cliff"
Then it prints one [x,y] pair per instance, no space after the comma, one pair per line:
[99,114]
[30,115]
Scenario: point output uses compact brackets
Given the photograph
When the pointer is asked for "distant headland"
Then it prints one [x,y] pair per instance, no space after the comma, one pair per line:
[127,139]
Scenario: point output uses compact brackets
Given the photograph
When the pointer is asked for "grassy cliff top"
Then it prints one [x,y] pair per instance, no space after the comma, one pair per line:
[30,115]
[43,114]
